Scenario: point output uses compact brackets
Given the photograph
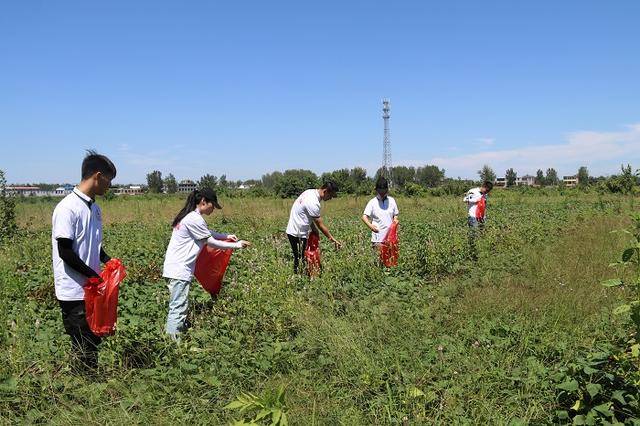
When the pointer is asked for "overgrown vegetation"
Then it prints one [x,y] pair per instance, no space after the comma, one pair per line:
[440,339]
[7,210]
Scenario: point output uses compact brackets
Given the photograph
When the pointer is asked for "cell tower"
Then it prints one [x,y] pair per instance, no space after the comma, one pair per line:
[386,148]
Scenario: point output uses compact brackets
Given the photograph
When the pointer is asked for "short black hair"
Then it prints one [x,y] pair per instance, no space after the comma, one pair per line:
[94,162]
[382,184]
[330,186]
[488,184]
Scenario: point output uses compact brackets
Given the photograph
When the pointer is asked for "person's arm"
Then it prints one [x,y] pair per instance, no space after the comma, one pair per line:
[225,245]
[368,222]
[104,257]
[395,212]
[68,256]
[218,235]
[366,217]
[322,227]
[221,236]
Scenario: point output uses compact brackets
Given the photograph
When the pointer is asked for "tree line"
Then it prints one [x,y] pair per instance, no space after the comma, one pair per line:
[625,182]
[412,181]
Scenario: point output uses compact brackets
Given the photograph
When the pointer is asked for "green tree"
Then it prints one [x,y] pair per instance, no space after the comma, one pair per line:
[429,176]
[154,181]
[293,182]
[8,225]
[552,177]
[510,176]
[170,184]
[358,176]
[403,175]
[270,180]
[223,182]
[540,180]
[342,178]
[623,183]
[208,181]
[486,173]
[583,176]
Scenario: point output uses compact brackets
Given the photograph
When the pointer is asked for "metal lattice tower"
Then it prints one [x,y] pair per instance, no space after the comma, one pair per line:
[386,148]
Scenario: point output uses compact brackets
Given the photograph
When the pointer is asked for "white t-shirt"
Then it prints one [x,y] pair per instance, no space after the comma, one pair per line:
[473,196]
[187,239]
[381,213]
[75,220]
[304,210]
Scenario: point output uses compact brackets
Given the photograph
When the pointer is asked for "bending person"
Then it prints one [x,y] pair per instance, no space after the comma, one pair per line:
[190,234]
[305,218]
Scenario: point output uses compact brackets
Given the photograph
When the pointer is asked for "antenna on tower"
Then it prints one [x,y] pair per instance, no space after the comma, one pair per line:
[386,144]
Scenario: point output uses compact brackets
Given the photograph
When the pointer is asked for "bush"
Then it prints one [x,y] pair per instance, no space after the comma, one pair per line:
[7,210]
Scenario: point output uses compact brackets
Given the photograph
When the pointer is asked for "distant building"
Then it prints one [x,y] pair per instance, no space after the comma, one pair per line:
[62,191]
[570,181]
[130,190]
[526,180]
[24,191]
[187,186]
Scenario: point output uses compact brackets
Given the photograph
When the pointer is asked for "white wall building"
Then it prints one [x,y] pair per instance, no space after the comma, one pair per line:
[186,186]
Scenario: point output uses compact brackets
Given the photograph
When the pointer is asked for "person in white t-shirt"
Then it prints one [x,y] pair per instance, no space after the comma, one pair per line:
[305,218]
[380,212]
[190,233]
[76,240]
[476,200]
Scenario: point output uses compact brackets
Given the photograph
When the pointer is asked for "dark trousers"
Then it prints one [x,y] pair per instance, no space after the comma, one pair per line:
[298,246]
[83,342]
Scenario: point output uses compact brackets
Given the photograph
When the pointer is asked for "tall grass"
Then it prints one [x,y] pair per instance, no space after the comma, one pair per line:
[440,339]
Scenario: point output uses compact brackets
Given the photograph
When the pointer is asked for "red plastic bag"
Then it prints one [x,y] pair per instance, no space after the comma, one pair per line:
[211,265]
[101,298]
[312,254]
[389,249]
[481,208]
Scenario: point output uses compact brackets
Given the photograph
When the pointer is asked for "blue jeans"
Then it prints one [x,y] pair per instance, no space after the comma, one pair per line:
[475,223]
[475,229]
[178,306]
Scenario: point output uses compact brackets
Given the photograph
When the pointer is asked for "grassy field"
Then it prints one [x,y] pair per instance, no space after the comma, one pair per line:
[439,339]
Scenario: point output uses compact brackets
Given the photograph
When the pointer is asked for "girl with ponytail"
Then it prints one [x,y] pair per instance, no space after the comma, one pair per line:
[190,233]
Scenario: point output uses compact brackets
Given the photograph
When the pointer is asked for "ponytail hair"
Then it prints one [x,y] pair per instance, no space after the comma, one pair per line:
[190,205]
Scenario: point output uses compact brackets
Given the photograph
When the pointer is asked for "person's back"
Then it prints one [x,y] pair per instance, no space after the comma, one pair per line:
[303,211]
[473,198]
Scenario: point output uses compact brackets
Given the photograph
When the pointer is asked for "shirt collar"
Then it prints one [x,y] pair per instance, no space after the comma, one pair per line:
[318,195]
[386,197]
[84,197]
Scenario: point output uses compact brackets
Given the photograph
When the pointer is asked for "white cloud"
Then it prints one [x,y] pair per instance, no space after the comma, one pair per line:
[599,151]
[484,142]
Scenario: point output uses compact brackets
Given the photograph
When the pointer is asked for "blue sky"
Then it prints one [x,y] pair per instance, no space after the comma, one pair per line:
[244,88]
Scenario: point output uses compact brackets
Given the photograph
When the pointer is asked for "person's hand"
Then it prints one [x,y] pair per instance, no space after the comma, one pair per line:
[244,244]
[91,281]
[374,228]
[232,237]
[395,220]
[337,243]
